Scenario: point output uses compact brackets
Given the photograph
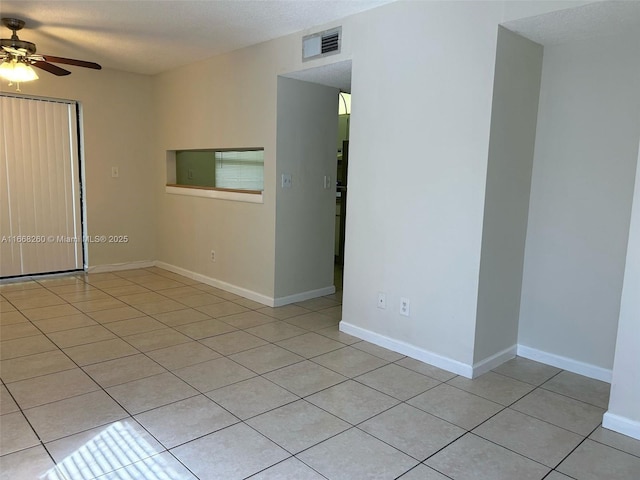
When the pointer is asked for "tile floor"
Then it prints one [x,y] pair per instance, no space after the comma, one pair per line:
[144,374]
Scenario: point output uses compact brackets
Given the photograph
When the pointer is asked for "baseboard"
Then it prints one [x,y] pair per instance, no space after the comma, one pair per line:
[301,297]
[228,287]
[569,364]
[409,350]
[489,363]
[622,425]
[114,267]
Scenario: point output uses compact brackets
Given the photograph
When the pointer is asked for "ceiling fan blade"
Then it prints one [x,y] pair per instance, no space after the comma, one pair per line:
[56,70]
[71,61]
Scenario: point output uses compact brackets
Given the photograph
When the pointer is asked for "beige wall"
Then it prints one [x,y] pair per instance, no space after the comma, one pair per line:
[117,120]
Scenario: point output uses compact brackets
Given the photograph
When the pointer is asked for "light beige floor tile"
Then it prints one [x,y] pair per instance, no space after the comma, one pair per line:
[115,314]
[134,272]
[399,382]
[557,476]
[18,330]
[35,365]
[214,374]
[84,296]
[412,431]
[185,420]
[333,332]
[11,317]
[222,309]
[204,329]
[26,464]
[198,299]
[159,283]
[426,369]
[103,449]
[276,331]
[581,388]
[246,320]
[55,311]
[251,397]
[352,401]
[565,412]
[58,324]
[163,462]
[540,441]
[216,291]
[151,392]
[16,434]
[81,336]
[7,404]
[100,351]
[233,453]
[123,290]
[37,301]
[233,342]
[179,292]
[99,304]
[310,344]
[305,378]
[21,347]
[594,461]
[132,326]
[422,472]
[318,303]
[183,355]
[494,387]
[245,302]
[350,361]
[266,358]
[616,440]
[298,426]
[6,307]
[333,312]
[156,339]
[474,458]
[142,298]
[284,312]
[163,306]
[455,406]
[288,469]
[123,370]
[180,317]
[381,352]
[355,454]
[72,415]
[312,321]
[50,388]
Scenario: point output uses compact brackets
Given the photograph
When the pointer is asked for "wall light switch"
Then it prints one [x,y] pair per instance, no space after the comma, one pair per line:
[114,172]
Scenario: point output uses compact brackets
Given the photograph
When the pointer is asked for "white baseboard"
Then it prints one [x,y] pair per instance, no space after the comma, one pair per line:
[569,364]
[622,425]
[489,363]
[228,287]
[409,350]
[300,297]
[114,267]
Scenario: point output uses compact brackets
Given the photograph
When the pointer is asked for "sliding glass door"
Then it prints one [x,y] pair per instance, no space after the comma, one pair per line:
[40,202]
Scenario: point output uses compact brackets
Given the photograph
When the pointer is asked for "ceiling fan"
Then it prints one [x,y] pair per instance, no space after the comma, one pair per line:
[17,57]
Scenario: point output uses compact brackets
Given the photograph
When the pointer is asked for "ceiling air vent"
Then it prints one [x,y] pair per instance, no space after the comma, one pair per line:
[321,44]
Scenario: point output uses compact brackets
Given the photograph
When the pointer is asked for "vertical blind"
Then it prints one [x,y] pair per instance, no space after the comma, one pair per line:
[40,216]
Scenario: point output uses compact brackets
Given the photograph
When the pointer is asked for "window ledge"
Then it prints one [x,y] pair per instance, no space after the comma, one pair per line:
[220,193]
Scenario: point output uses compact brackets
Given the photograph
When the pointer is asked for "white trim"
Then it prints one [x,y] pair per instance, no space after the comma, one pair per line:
[565,363]
[220,194]
[495,360]
[302,296]
[114,267]
[412,351]
[622,425]
[228,287]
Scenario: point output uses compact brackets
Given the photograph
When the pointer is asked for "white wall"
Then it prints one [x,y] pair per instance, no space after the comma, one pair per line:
[307,127]
[582,186]
[624,414]
[421,108]
[117,112]
[511,148]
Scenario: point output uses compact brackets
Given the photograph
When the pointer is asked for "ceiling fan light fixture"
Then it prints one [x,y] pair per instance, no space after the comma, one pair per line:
[17,71]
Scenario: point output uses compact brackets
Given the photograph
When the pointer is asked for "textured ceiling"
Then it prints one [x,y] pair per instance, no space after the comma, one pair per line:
[151,36]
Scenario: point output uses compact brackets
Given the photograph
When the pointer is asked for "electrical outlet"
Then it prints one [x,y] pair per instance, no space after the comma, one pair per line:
[190,175]
[327,182]
[213,255]
[405,306]
[382,300]
[286,180]
[114,172]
